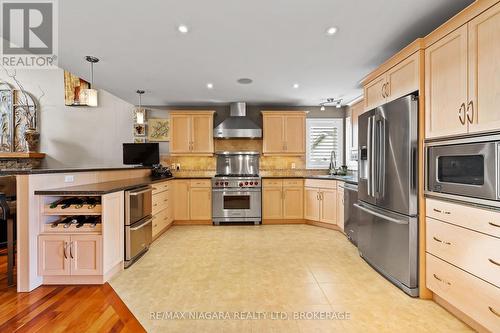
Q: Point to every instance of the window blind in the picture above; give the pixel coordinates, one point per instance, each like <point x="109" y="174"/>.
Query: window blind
<point x="323" y="137"/>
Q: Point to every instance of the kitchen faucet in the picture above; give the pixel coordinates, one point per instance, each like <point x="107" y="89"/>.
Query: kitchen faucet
<point x="333" y="163"/>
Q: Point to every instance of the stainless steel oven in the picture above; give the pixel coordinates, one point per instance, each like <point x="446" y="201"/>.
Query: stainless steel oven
<point x="138" y="223"/>
<point x="465" y="169"/>
<point x="236" y="205"/>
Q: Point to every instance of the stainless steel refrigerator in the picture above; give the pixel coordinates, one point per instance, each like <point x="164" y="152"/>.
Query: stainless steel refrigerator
<point x="388" y="197"/>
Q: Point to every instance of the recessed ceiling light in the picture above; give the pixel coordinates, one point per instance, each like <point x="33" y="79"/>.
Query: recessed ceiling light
<point x="331" y="31"/>
<point x="183" y="29"/>
<point x="244" y="80"/>
<point x="296" y="85"/>
<point x="210" y="85"/>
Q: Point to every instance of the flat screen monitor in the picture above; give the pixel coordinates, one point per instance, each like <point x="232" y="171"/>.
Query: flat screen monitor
<point x="146" y="154"/>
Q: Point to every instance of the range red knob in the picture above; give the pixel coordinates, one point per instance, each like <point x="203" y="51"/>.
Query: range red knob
<point x="216" y="183"/>
<point x="226" y="183"/>
<point x="241" y="184"/>
<point x="251" y="183"/>
<point x="246" y="183"/>
<point x="256" y="183"/>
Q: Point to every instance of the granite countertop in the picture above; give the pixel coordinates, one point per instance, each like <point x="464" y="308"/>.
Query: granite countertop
<point x="108" y="187"/>
<point x="36" y="171"/>
<point x="351" y="179"/>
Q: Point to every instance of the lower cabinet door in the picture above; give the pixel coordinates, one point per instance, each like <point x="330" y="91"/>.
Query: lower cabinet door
<point x="53" y="255"/>
<point x="293" y="203"/>
<point x="200" y="206"/>
<point x="272" y="207"/>
<point x="311" y="203"/>
<point x="328" y="205"/>
<point x="85" y="252"/>
<point x="181" y="200"/>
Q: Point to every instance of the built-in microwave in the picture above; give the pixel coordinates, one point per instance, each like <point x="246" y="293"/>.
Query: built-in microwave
<point x="466" y="169"/>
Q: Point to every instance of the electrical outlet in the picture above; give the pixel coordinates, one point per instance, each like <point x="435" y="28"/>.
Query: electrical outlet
<point x="172" y="166"/>
<point x="178" y="166"/>
<point x="293" y="165"/>
<point x="69" y="179"/>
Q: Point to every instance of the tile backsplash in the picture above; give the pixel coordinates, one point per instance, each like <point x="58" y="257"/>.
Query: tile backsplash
<point x="269" y="165"/>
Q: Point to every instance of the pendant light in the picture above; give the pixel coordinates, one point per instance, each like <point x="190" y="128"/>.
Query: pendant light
<point x="140" y="113"/>
<point x="89" y="96"/>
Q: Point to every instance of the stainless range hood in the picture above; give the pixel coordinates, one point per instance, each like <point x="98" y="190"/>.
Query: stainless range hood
<point x="237" y="125"/>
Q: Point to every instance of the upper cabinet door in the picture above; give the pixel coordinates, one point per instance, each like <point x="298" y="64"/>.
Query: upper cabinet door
<point x="375" y="92"/>
<point x="180" y="141"/>
<point x="274" y="129"/>
<point x="403" y="78"/>
<point x="295" y="133"/>
<point x="483" y="109"/>
<point x="446" y="85"/>
<point x="202" y="134"/>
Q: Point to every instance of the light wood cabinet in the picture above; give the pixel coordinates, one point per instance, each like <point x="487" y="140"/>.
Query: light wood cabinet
<point x="193" y="199"/>
<point x="484" y="72"/>
<point x="356" y="110"/>
<point x="53" y="257"/>
<point x="191" y="132"/>
<point x="311" y="203"/>
<point x="399" y="80"/>
<point x="272" y="207"/>
<point x="284" y="132"/>
<point x="65" y="255"/>
<point x="162" y="207"/>
<point x="340" y="207"/>
<point x="446" y="85"/>
<point x="328" y="206"/>
<point x="282" y="199"/>
<point x="86" y="255"/>
<point x="320" y="200"/>
<point x="200" y="203"/>
<point x="462" y="79"/>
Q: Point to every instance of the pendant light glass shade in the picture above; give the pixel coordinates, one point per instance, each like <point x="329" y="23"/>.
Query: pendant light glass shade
<point x="88" y="97"/>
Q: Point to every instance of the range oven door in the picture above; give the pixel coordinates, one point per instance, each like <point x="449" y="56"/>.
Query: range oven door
<point x="466" y="170"/>
<point x="236" y="203"/>
<point x="138" y="204"/>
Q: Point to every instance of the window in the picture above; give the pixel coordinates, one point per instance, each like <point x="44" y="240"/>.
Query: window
<point x="324" y="135"/>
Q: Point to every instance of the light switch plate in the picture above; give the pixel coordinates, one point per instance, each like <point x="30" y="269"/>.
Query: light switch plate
<point x="69" y="179"/>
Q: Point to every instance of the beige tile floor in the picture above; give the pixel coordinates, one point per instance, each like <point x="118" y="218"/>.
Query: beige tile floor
<point x="266" y="270"/>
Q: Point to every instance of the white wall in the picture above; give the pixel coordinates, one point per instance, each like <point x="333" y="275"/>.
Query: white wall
<point x="77" y="136"/>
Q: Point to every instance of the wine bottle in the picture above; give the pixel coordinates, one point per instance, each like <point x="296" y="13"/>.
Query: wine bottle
<point x="55" y="203"/>
<point x="74" y="220"/>
<point x="72" y="201"/>
<point x="61" y="221"/>
<point x="92" y="202"/>
<point x="91" y="220"/>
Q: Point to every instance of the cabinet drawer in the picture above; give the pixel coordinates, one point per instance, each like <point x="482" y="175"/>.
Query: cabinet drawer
<point x="160" y="187"/>
<point x="200" y="183"/>
<point x="320" y="183"/>
<point x="160" y="221"/>
<point x="272" y="182"/>
<point x="293" y="182"/>
<point x="483" y="220"/>
<point x="472" y="251"/>
<point x="160" y="202"/>
<point x="476" y="298"/>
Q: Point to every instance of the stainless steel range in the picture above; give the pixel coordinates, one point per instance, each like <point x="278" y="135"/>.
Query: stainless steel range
<point x="237" y="189"/>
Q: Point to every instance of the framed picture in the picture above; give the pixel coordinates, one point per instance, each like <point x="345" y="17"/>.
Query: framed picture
<point x="158" y="130"/>
<point x="73" y="86"/>
<point x="139" y="130"/>
<point x="139" y="140"/>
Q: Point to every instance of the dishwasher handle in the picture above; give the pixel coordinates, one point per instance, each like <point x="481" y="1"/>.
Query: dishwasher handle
<point x="140" y="191"/>
<point x="142" y="225"/>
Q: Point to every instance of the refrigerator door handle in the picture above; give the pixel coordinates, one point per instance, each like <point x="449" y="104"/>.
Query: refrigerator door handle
<point x="381" y="215"/>
<point x="370" y="157"/>
<point x="381" y="157"/>
<point x="373" y="156"/>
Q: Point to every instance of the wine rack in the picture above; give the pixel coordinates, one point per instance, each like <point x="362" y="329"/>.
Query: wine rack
<point x="73" y="209"/>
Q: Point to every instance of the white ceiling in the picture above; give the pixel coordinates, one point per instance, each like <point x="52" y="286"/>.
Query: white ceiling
<point x="275" y="42"/>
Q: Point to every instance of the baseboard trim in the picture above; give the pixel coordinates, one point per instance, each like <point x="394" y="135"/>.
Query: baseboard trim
<point x="192" y="222"/>
<point x="163" y="231"/>
<point x="324" y="225"/>
<point x="283" y="221"/>
<point x="459" y="314"/>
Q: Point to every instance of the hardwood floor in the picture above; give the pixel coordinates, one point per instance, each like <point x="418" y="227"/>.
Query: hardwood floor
<point x="63" y="309"/>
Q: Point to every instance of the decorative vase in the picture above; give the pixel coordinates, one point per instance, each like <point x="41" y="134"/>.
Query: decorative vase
<point x="32" y="138"/>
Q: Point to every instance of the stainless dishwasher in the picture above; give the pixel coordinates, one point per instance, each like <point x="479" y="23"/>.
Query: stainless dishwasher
<point x="351" y="214"/>
<point x="138" y="223"/>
